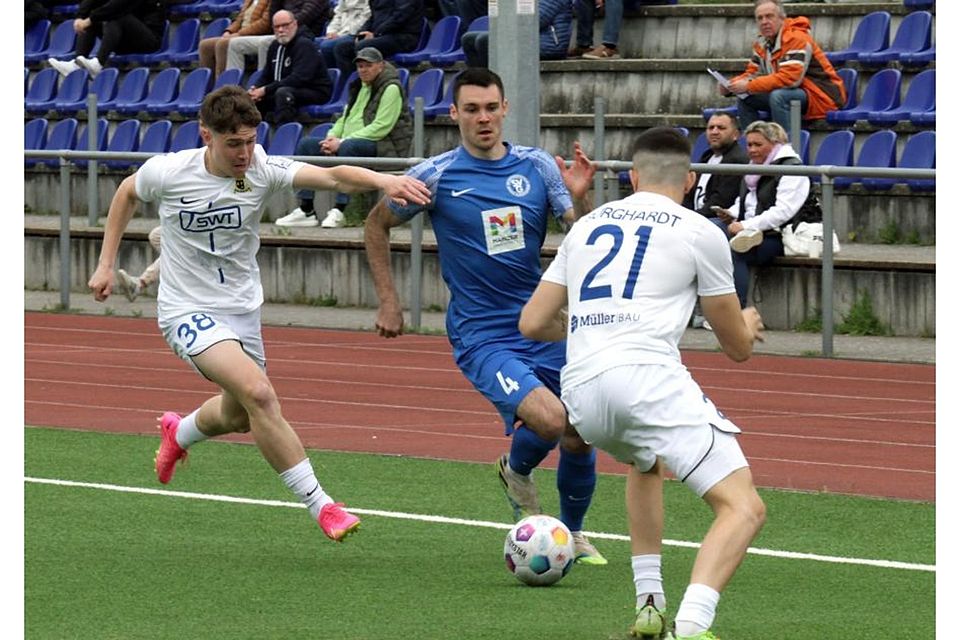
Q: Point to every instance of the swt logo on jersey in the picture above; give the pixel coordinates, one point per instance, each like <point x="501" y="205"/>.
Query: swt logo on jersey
<point x="503" y="229"/>
<point x="211" y="219"/>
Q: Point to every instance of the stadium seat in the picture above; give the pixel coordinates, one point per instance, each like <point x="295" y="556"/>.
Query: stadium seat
<point x="142" y="58"/>
<point x="216" y="28"/>
<point x="230" y="76"/>
<point x="919" y="152"/>
<point x="34" y="137"/>
<point x="481" y="23"/>
<point x="285" y="139"/>
<point x="337" y="103"/>
<point x="42" y="90"/>
<point x="163" y="90"/>
<point x="913" y="35"/>
<point x="836" y="149"/>
<point x="83" y="139"/>
<point x="184" y="45"/>
<point x="320" y="131"/>
<point x="156" y="137"/>
<point x="914" y="5"/>
<point x="443" y="106"/>
<point x="188" y="8"/>
<point x="35" y="37"/>
<point x="872" y="34"/>
<point x="700" y="145"/>
<point x="851" y="80"/>
<point x="424" y="39"/>
<point x="925" y="119"/>
<point x="318" y="110"/>
<point x="921" y="97"/>
<point x="133" y="88"/>
<point x="444" y="38"/>
<point x="804" y="150"/>
<point x="187" y="103"/>
<point x="919" y="58"/>
<point x="126" y="138"/>
<point x="263" y="134"/>
<point x="252" y="79"/>
<point x="61" y="44"/>
<point x="403" y="75"/>
<point x="429" y="86"/>
<point x="62" y="135"/>
<point x="878" y="150"/>
<point x="72" y="89"/>
<point x="187" y="136"/>
<point x="104" y="86"/>
<point x="882" y="94"/>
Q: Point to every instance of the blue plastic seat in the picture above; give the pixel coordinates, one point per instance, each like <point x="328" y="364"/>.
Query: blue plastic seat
<point x="61" y="44"/>
<point x="913" y="5"/>
<point x="337" y="103"/>
<point x="700" y="146"/>
<point x="878" y="150"/>
<point x="72" y="89"/>
<point x="882" y="94"/>
<point x="187" y="136"/>
<point x="444" y="38"/>
<point x="481" y="23"/>
<point x="804" y="150"/>
<point x="42" y="91"/>
<point x="429" y="86"/>
<point x="443" y="106"/>
<point x="321" y="110"/>
<point x="163" y="90"/>
<point x="62" y="135"/>
<point x="34" y="137"/>
<point x="925" y="119"/>
<point x="836" y="149"/>
<point x="919" y="58"/>
<point x="285" y="139"/>
<point x="230" y="76"/>
<point x="921" y="97"/>
<point x="920" y="152"/>
<point x="872" y="34"/>
<point x="133" y="88"/>
<point x="851" y="81"/>
<point x="189" y="8"/>
<point x="104" y="86"/>
<point x="126" y="137"/>
<point x="263" y="134"/>
<point x="184" y="45"/>
<point x="912" y="35"/>
<point x="252" y="79"/>
<point x="216" y="28"/>
<point x="156" y="138"/>
<point x="194" y="88"/>
<point x="144" y="58"/>
<point x="35" y="37"/>
<point x="320" y="131"/>
<point x="403" y="75"/>
<point x="83" y="139"/>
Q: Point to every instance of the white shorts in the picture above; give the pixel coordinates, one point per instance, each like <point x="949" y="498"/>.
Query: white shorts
<point x="638" y="413"/>
<point x="193" y="333"/>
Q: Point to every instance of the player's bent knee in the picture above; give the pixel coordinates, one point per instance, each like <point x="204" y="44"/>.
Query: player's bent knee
<point x="260" y="396"/>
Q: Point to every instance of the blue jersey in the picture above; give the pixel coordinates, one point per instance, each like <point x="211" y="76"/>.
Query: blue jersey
<point x="490" y="220"/>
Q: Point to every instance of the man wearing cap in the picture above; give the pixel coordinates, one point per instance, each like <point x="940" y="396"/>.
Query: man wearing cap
<point x="374" y="123"/>
<point x="295" y="73"/>
<point x="394" y="26"/>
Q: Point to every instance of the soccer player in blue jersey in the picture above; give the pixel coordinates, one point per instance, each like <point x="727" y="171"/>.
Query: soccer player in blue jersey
<point x="489" y="209"/>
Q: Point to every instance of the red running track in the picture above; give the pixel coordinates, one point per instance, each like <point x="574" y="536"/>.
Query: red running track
<point x="812" y="424"/>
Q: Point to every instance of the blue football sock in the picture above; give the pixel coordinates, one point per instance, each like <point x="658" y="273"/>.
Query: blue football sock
<point x="527" y="450"/>
<point x="576" y="480"/>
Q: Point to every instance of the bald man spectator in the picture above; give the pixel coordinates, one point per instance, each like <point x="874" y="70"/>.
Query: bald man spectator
<point x="714" y="190"/>
<point x="786" y="65"/>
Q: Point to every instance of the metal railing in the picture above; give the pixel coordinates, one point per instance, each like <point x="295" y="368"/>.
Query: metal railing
<point x="826" y="173"/>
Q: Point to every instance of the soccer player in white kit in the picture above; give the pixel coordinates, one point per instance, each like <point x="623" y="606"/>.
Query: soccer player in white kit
<point x="629" y="274"/>
<point x="208" y="304"/>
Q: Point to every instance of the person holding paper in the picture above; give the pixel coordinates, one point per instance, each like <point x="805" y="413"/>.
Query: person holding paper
<point x="786" y="65"/>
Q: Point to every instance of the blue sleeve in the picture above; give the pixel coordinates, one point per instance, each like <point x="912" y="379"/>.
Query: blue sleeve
<point x="428" y="173"/>
<point x="559" y="196"/>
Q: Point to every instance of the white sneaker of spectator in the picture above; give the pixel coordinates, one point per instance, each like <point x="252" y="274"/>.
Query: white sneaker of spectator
<point x="745" y="240"/>
<point x="298" y="218"/>
<point x="65" y="67"/>
<point x="333" y="220"/>
<point x="92" y="65"/>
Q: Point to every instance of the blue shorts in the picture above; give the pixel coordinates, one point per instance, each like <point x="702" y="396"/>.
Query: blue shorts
<point x="506" y="374"/>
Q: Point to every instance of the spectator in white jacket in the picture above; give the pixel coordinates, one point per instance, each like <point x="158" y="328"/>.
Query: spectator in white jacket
<point x="348" y="17"/>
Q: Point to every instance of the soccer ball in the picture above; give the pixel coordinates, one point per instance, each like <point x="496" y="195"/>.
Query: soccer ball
<point x="539" y="550"/>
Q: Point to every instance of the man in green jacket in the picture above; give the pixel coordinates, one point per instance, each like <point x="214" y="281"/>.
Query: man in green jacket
<point x="376" y="122"/>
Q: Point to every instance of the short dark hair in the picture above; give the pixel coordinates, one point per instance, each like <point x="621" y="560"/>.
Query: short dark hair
<point x="729" y="116"/>
<point x="662" y="140"/>
<point x="661" y="155"/>
<point x="227" y="109"/>
<point x="476" y="77"/>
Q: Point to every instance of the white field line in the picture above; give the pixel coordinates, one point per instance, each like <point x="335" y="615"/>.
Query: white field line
<point x="885" y="564"/>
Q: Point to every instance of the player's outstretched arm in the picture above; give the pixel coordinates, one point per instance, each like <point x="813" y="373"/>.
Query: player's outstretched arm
<point x="401" y="189"/>
<point x="542" y="318"/>
<point x="122" y="208"/>
<point x="376" y="237"/>
<point x="736" y="330"/>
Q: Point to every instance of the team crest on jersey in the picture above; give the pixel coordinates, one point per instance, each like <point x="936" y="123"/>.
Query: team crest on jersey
<point x="518" y="185"/>
<point x="241" y="186"/>
<point x="503" y="229"/>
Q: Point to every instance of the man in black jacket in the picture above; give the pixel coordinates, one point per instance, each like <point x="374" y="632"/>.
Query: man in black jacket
<point x="713" y="190"/>
<point x="394" y="26"/>
<point x="295" y="73"/>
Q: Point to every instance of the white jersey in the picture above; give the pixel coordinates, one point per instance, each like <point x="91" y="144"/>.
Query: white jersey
<point x="633" y="269"/>
<point x="210" y="229"/>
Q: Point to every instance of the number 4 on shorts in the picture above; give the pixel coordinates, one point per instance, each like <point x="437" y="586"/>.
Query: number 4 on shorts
<point x="509" y="384"/>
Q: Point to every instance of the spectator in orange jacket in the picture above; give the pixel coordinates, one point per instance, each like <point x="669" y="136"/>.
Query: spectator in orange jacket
<point x="786" y="65"/>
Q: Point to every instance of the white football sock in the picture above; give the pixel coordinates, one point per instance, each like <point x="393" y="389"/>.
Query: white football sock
<point x="648" y="580"/>
<point x="188" y="433"/>
<point x="697" y="610"/>
<point x="303" y="482"/>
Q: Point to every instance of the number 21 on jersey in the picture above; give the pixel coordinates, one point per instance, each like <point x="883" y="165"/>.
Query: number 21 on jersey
<point x="590" y="292"/>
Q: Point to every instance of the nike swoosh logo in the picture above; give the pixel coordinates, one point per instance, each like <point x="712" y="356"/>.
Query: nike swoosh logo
<point x="457" y="194"/>
<point x="185" y="201"/>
